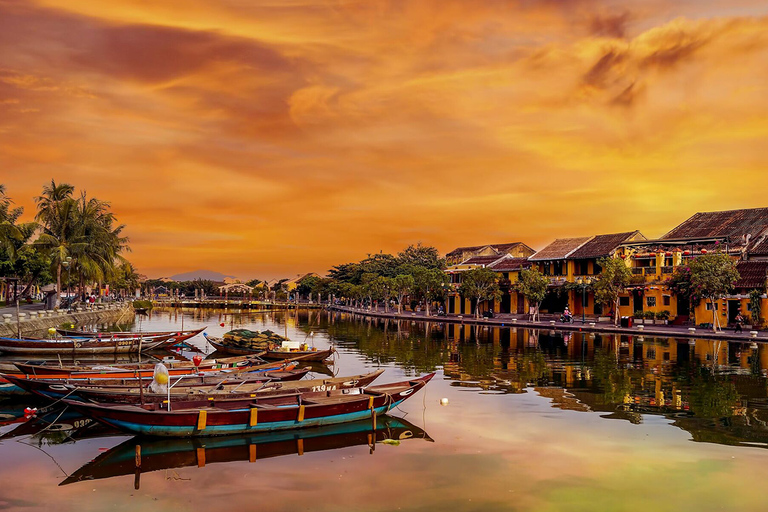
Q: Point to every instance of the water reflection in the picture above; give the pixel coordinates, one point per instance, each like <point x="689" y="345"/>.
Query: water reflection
<point x="142" y="455"/>
<point x="716" y="390"/>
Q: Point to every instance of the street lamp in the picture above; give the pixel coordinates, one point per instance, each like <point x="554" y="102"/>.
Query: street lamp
<point x="583" y="284"/>
<point x="66" y="264"/>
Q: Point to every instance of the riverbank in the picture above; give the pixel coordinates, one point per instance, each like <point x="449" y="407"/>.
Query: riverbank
<point x="31" y="320"/>
<point x="547" y="322"/>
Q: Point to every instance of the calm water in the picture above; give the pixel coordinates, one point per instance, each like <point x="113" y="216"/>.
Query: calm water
<point x="535" y="421"/>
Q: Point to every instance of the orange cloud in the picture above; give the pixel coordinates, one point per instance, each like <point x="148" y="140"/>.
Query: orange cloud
<point x="264" y="139"/>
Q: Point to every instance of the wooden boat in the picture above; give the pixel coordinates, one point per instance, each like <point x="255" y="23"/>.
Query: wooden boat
<point x="229" y="389"/>
<point x="72" y="333"/>
<point x="55" y="389"/>
<point x="234" y="365"/>
<point x="161" y="454"/>
<point x="306" y="355"/>
<point x="80" y="346"/>
<point x="280" y="412"/>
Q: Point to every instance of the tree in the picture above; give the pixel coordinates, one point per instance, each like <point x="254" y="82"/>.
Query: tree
<point x="479" y="284"/>
<point x="385" y="285"/>
<point x="533" y="285"/>
<point x="712" y="276"/>
<point x="421" y="256"/>
<point x="429" y="283"/>
<point x="613" y="279"/>
<point x="680" y="284"/>
<point x="402" y="285"/>
<point x="56" y="214"/>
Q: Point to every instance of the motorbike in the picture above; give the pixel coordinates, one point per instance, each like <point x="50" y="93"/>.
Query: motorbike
<point x="566" y="319"/>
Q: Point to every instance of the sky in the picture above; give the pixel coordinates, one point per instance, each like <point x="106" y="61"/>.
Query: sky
<point x="264" y="139"/>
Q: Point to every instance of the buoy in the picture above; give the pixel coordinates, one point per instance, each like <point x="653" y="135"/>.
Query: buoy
<point x="443" y="401"/>
<point x="161" y="378"/>
<point x="196" y="360"/>
<point x="222" y="324"/>
<point x="51" y="330"/>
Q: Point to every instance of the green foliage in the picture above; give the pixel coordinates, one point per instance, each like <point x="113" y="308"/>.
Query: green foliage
<point x="480" y="284"/>
<point x="142" y="304"/>
<point x="663" y="315"/>
<point x="421" y="256"/>
<point x="712" y="277"/>
<point x="401" y="286"/>
<point x="533" y="285"/>
<point x="681" y="285"/>
<point x="430" y="284"/>
<point x="649" y="315"/>
<point x="613" y="279"/>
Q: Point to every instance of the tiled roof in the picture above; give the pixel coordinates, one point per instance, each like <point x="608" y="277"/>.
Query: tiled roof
<point x="601" y="245"/>
<point x="559" y="249"/>
<point x="752" y="274"/>
<point x="507" y="264"/>
<point x="497" y="247"/>
<point x="760" y="247"/>
<point x="481" y="260"/>
<point x="732" y="223"/>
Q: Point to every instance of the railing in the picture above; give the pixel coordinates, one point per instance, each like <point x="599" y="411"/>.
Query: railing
<point x="638" y="271"/>
<point x="650" y="271"/>
<point x="667" y="270"/>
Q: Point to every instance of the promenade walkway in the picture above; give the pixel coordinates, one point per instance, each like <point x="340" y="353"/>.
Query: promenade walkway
<point x="550" y="322"/>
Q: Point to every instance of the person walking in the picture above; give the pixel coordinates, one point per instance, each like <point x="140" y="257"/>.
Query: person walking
<point x="739" y="321"/>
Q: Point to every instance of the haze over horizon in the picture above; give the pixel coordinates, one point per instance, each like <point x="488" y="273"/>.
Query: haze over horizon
<point x="269" y="139"/>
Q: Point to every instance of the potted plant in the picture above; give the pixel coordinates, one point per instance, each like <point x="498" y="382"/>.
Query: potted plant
<point x="662" y="317"/>
<point x="638" y="315"/>
<point x="649" y="316"/>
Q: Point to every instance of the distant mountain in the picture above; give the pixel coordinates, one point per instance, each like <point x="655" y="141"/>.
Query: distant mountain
<point x="200" y="274"/>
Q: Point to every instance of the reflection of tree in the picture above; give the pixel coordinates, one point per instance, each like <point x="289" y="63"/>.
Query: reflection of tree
<point x="712" y="396"/>
<point x="532" y="367"/>
<point x="612" y="381"/>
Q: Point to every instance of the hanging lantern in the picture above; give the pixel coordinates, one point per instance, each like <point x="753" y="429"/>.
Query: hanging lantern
<point x="687" y="253"/>
<point x="703" y="251"/>
<point x="623" y="256"/>
<point x="196" y="360"/>
<point x="653" y="254"/>
<point x="222" y="324"/>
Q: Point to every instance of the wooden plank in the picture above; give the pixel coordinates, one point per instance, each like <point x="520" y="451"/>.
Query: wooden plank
<point x="202" y="419"/>
<point x="254" y="417"/>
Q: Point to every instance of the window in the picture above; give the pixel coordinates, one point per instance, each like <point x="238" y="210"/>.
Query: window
<point x="623" y="301"/>
<point x="650" y="302"/>
<point x="709" y="306"/>
<point x="667" y="300"/>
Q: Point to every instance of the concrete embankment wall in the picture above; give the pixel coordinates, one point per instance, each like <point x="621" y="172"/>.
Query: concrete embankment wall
<point x="42" y="320"/>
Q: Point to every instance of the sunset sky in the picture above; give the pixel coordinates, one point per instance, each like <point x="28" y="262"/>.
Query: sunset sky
<point x="267" y="138"/>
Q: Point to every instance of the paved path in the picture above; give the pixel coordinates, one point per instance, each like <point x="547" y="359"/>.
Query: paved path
<point x="549" y="322"/>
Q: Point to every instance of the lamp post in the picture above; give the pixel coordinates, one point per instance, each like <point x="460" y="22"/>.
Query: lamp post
<point x="583" y="284"/>
<point x="66" y="264"/>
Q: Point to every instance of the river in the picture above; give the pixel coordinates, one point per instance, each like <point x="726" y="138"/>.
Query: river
<point x="515" y="420"/>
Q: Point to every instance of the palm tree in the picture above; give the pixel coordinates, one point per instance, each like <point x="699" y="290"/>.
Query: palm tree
<point x="97" y="255"/>
<point x="56" y="214"/>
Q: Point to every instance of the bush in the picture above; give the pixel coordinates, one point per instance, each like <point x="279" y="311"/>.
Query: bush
<point x="649" y="315"/>
<point x="142" y="304"/>
<point x="662" y="315"/>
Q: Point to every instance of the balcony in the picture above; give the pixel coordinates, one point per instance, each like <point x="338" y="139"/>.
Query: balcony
<point x="667" y="270"/>
<point x="649" y="271"/>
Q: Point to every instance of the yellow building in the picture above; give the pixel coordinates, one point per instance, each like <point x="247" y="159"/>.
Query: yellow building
<point x="507" y="266"/>
<point x="572" y="265"/>
<point x="514" y="249"/>
<point x="741" y="234"/>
